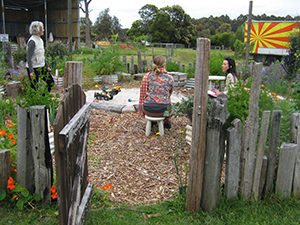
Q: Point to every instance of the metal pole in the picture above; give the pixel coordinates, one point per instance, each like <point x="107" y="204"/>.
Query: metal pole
<point x="248" y="33"/>
<point x="70" y="25"/>
<point x="46" y="22"/>
<point x="3" y="16"/>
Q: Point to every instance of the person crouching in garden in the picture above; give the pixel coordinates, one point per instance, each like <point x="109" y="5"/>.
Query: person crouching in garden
<point x="35" y="57"/>
<point x="156" y="90"/>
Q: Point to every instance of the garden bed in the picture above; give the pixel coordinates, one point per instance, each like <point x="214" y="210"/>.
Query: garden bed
<point x="136" y="168"/>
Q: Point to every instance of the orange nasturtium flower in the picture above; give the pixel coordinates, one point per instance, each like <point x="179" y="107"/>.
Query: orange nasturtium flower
<point x="13" y="141"/>
<point x="107" y="186"/>
<point x="2" y="133"/>
<point x="10" y="136"/>
<point x="53" y="191"/>
<point x="9" y="123"/>
<point x="11" y="183"/>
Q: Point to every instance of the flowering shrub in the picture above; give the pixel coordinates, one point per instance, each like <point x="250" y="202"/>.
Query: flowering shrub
<point x="8" y="128"/>
<point x="7" y="135"/>
<point x="18" y="195"/>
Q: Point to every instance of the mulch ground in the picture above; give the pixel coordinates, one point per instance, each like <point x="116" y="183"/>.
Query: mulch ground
<point x="140" y="169"/>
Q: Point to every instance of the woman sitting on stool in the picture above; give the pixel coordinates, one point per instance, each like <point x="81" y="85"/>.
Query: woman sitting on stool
<point x="156" y="90"/>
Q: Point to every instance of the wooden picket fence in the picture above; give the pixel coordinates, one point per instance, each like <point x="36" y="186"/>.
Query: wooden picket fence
<point x="34" y="159"/>
<point x="252" y="170"/>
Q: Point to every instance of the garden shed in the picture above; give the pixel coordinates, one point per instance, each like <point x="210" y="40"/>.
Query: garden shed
<point x="61" y="18"/>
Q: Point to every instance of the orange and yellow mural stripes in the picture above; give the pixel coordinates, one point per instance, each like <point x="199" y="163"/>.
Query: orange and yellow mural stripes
<point x="270" y="34"/>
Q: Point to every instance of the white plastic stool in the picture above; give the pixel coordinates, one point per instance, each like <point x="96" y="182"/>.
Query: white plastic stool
<point x="160" y="122"/>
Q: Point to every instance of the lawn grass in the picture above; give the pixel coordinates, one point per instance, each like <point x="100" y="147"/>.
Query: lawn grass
<point x="271" y="211"/>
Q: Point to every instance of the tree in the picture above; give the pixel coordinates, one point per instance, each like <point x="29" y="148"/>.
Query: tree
<point x="106" y="25"/>
<point x="225" y="27"/>
<point x="292" y="60"/>
<point x="85" y="10"/>
<point x="168" y="24"/>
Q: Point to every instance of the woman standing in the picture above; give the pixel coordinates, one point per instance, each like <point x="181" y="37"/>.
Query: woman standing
<point x="35" y="65"/>
<point x="156" y="90"/>
<point x="229" y="68"/>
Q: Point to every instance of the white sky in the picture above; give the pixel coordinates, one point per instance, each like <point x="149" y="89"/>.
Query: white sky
<point x="127" y="10"/>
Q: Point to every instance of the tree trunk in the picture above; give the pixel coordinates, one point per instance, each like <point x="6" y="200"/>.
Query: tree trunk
<point x="88" y="43"/>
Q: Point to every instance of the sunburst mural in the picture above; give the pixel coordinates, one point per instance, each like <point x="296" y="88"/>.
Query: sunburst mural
<point x="270" y="34"/>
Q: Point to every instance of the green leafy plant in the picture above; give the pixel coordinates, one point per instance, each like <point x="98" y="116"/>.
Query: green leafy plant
<point x="215" y="63"/>
<point x="107" y="61"/>
<point x="38" y="96"/>
<point x="292" y="60"/>
<point x="238" y="100"/>
<point x="239" y="47"/>
<point x="296" y="95"/>
<point x="18" y="195"/>
<point x="57" y="54"/>
<point x="184" y="108"/>
<point x="172" y="66"/>
<point x="19" y="55"/>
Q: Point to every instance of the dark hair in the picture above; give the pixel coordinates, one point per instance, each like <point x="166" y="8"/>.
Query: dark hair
<point x="231" y="65"/>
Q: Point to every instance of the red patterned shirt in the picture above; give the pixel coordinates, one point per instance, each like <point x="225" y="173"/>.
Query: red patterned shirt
<point x="156" y="89"/>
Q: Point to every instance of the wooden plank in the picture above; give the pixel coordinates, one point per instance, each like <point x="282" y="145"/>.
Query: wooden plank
<point x="25" y="167"/>
<point x="214" y="154"/>
<point x="263" y="175"/>
<point x="69" y="107"/>
<point x="286" y="166"/>
<point x="76" y="123"/>
<point x="73" y="73"/>
<point x="296" y="139"/>
<point x="79" y="168"/>
<point x="251" y="132"/>
<point x="84" y="203"/>
<point x="233" y="159"/>
<point x="273" y="146"/>
<point x="198" y="147"/>
<point x="4" y="168"/>
<point x="61" y="172"/>
<point x="295" y="125"/>
<point x="42" y="171"/>
<point x="260" y="154"/>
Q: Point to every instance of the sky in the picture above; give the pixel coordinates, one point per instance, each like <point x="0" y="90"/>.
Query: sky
<point x="127" y="10"/>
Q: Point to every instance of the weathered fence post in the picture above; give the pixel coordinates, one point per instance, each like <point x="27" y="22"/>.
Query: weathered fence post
<point x="260" y="154"/>
<point x="41" y="152"/>
<point x="274" y="141"/>
<point x="132" y="65"/>
<point x="198" y="147"/>
<point x="73" y="73"/>
<point x="25" y="166"/>
<point x="250" y="137"/>
<point x="140" y="62"/>
<point x="4" y="168"/>
<point x="214" y="153"/>
<point x="296" y="139"/>
<point x="286" y="168"/>
<point x="233" y="159"/>
<point x="124" y="60"/>
<point x="263" y="175"/>
<point x="13" y="89"/>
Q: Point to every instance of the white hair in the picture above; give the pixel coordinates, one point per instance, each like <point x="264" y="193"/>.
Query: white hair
<point x="35" y="27"/>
